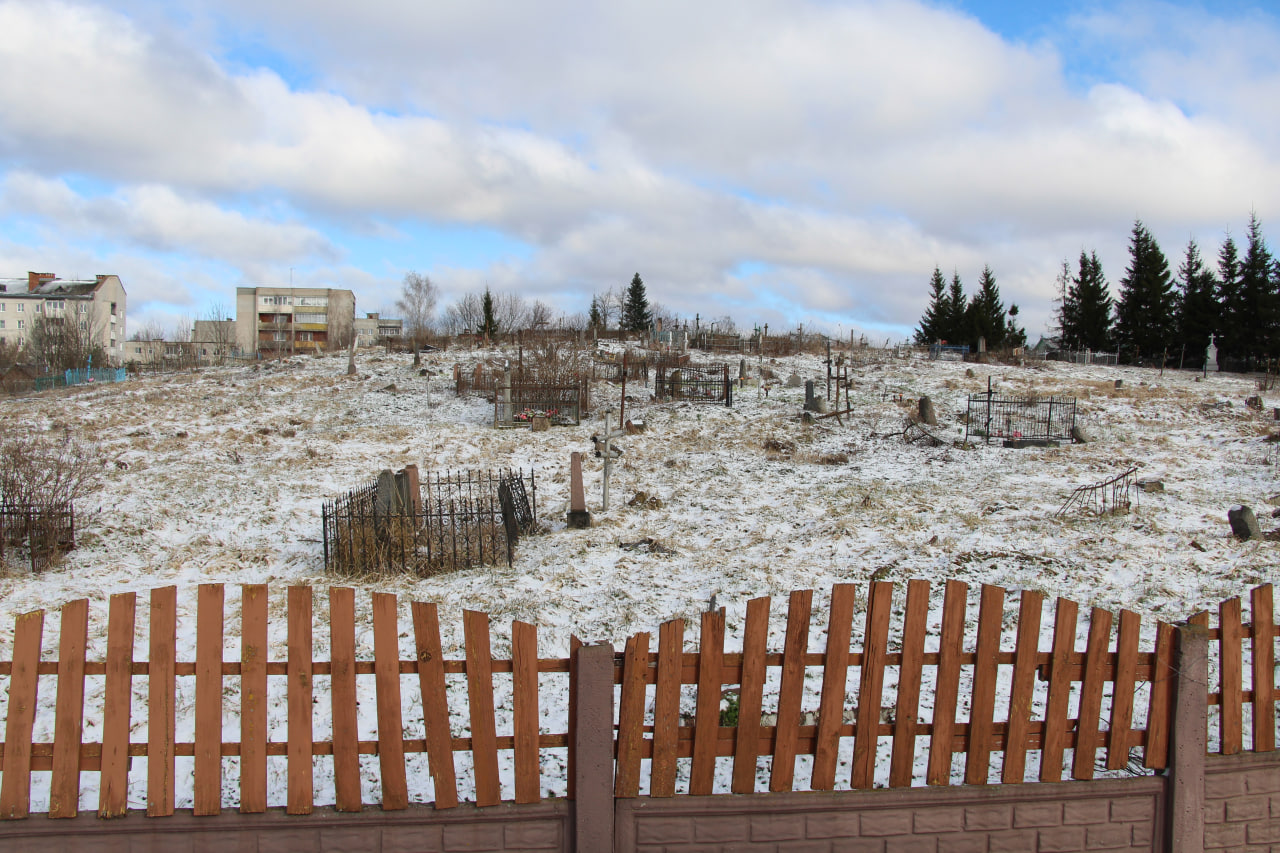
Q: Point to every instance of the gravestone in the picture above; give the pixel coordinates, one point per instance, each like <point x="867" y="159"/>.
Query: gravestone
<point x="794" y="381"/>
<point x="541" y="423"/>
<point x="1211" y="357"/>
<point x="927" y="414"/>
<point x="742" y="370"/>
<point x="579" y="516"/>
<point x="1244" y="524"/>
<point x="809" y="404"/>
<point x="388" y="497"/>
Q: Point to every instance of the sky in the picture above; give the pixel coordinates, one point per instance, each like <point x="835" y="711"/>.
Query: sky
<point x="775" y="161"/>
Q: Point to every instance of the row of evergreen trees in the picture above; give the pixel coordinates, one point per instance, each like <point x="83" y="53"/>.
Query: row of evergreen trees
<point x="957" y="320"/>
<point x="1157" y="317"/>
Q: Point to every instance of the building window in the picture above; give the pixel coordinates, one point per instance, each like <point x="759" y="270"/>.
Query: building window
<point x="279" y="336"/>
<point x="314" y="301"/>
<point x="21" y="324"/>
<point x="21" y="307"/>
<point x="3" y="306"/>
<point x="1" y="324"/>
<point x="310" y="318"/>
<point x="83" y="325"/>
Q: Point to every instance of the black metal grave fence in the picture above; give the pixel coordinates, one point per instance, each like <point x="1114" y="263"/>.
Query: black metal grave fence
<point x="1017" y="420"/>
<point x="562" y="404"/>
<point x="44" y="531"/>
<point x="452" y="521"/>
<point x="708" y="384"/>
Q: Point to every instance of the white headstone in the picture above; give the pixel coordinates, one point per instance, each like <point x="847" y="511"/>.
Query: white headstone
<point x="1211" y="356"/>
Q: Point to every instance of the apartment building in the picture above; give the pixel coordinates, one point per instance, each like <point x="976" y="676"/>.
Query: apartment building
<point x="284" y="320"/>
<point x="372" y="330"/>
<point x="96" y="306"/>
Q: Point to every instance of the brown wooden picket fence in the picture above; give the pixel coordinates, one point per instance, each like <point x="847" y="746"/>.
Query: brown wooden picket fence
<point x="647" y="679"/>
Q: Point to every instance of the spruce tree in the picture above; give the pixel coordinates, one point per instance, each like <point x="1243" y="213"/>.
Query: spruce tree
<point x="1089" y="326"/>
<point x="1198" y="309"/>
<point x="489" y="323"/>
<point x="1257" y="297"/>
<point x="1230" y="305"/>
<point x="955" y="325"/>
<point x="636" y="316"/>
<point x="986" y="312"/>
<point x="930" y="331"/>
<point x="1145" y="320"/>
<point x="595" y="320"/>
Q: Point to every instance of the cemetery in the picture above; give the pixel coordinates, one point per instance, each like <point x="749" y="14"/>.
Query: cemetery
<point x="867" y="487"/>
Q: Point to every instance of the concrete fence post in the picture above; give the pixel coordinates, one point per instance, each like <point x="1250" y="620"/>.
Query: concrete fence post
<point x="1189" y="741"/>
<point x="593" y="747"/>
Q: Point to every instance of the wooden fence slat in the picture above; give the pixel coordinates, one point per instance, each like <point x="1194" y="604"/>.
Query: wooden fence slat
<point x="1155" y="756"/>
<point x="947" y="686"/>
<point x="706" y="731"/>
<point x="1030" y="608"/>
<point x="1054" y="739"/>
<point x="1200" y="619"/>
<point x="1095" y="654"/>
<point x="666" y="709"/>
<point x="386" y="674"/>
<point x="635" y="675"/>
<point x="875" y="642"/>
<point x="906" y="719"/>
<point x="791" y="691"/>
<point x="342" y="695"/>
<point x="571" y="763"/>
<point x="1230" y="678"/>
<point x="435" y="704"/>
<point x="982" y="703"/>
<point x="524" y="674"/>
<point x="210" y="616"/>
<point x="68" y="726"/>
<point x="484" y="736"/>
<point x="1262" y="616"/>
<point x="113" y="796"/>
<point x="15" y="781"/>
<point x="1120" y="735"/>
<point x="835" y="676"/>
<point x="300" y="796"/>
<point x="253" y="698"/>
<point x="746" y="752"/>
<point x="161" y="689"/>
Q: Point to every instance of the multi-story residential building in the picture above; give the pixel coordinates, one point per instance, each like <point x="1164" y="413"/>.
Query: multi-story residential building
<point x="282" y="320"/>
<point x="95" y="306"/>
<point x="372" y="330"/>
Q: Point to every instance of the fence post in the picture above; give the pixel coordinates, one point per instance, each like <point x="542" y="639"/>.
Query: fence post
<point x="593" y="749"/>
<point x="1189" y="741"/>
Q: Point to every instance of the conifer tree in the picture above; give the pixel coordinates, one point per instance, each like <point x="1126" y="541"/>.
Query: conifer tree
<point x="955" y="325"/>
<point x="1088" y="314"/>
<point x="1198" y="309"/>
<point x="1145" y="320"/>
<point x="986" y="313"/>
<point x="1230" y="305"/>
<point x="930" y="331"/>
<point x="595" y="320"/>
<point x="1257" y="320"/>
<point x="636" y="316"/>
<point x="489" y="323"/>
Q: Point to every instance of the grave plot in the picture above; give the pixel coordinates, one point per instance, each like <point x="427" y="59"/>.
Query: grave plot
<point x="452" y="521"/>
<point x="518" y="403"/>
<point x="709" y="384"/>
<point x="1020" y="421"/>
<point x="1109" y="496"/>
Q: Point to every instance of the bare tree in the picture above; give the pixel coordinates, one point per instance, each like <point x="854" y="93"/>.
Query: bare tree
<point x="610" y="303"/>
<point x="725" y="325"/>
<point x="465" y="315"/>
<point x="417" y="306"/>
<point x="62" y="343"/>
<point x="510" y="311"/>
<point x="149" y="331"/>
<point x="215" y="331"/>
<point x="44" y="472"/>
<point x="539" y="315"/>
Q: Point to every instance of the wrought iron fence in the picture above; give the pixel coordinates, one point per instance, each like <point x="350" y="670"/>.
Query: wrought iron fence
<point x="1020" y="419"/>
<point x="451" y="521"/>
<point x="708" y="384"/>
<point x="44" y="531"/>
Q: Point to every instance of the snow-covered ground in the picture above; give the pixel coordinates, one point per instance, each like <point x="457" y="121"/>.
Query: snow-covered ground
<point x="218" y="476"/>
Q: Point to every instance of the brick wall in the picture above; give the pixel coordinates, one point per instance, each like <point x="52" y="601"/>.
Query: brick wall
<point x="539" y="828"/>
<point x="1111" y="815"/>
<point x="1242" y="802"/>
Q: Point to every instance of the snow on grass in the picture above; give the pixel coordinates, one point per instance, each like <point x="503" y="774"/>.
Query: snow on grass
<point x="218" y="476"/>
